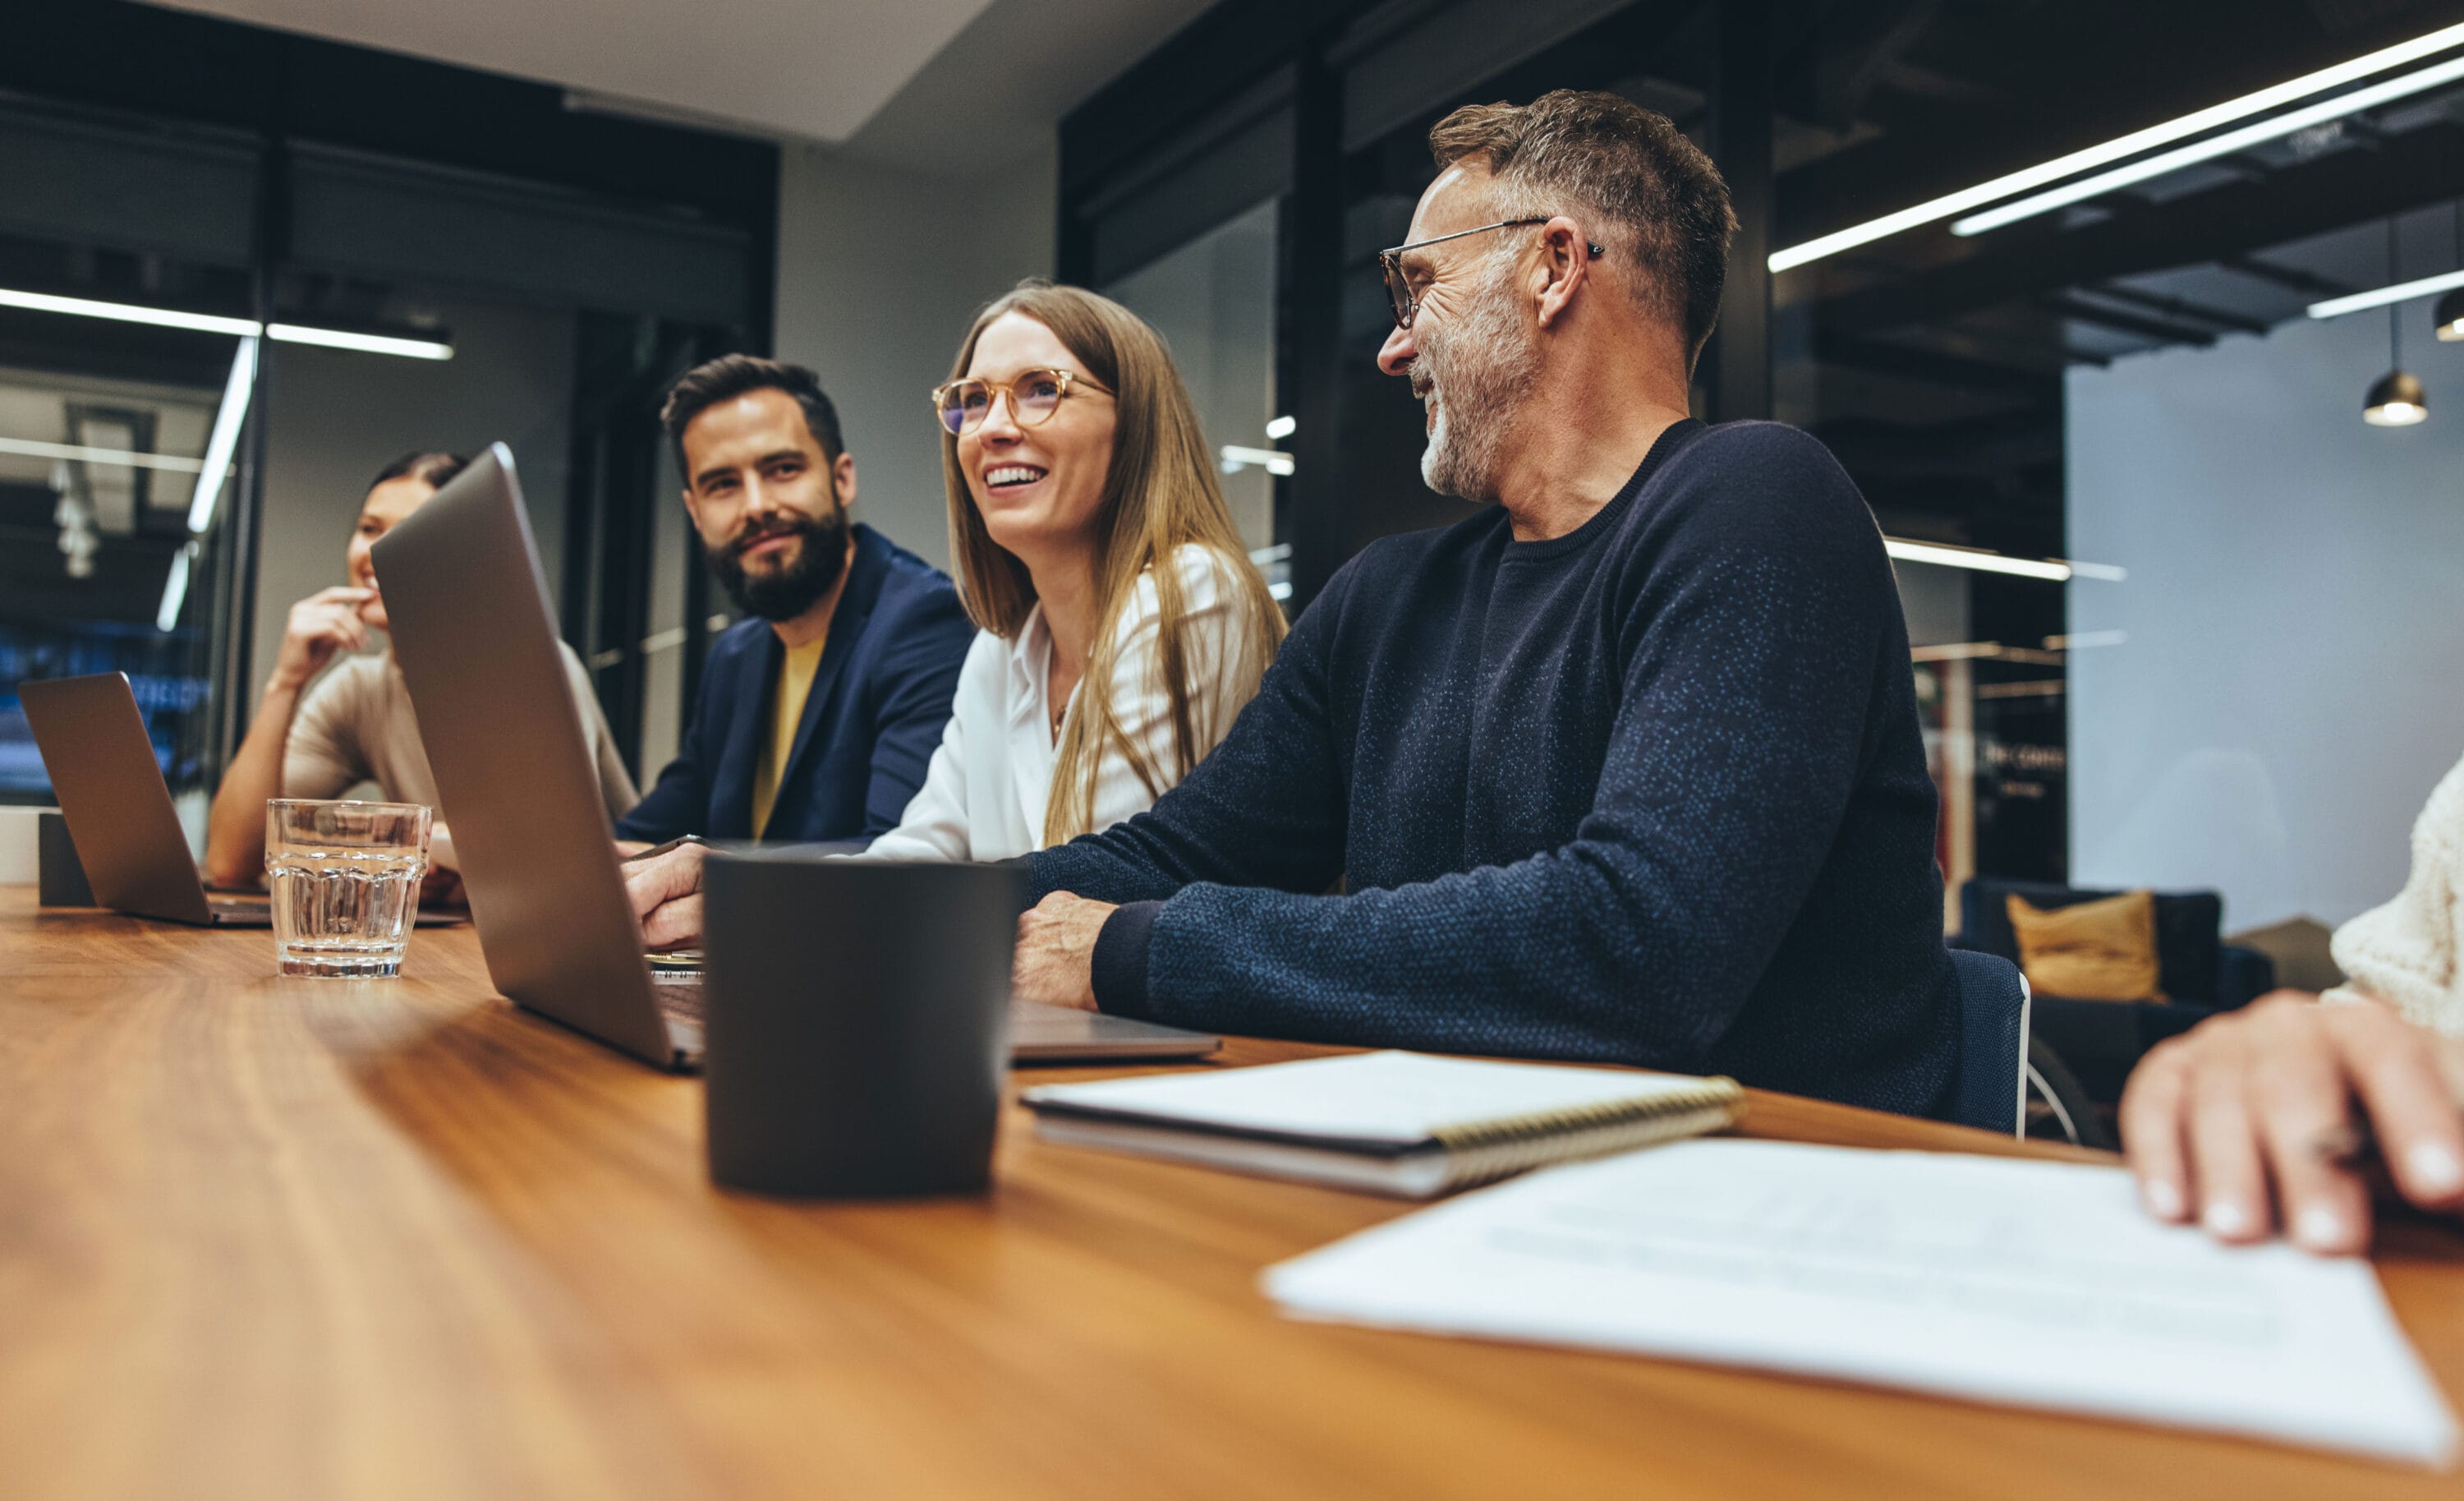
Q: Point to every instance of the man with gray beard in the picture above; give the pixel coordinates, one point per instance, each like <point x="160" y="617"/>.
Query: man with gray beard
<point x="1624" y="769"/>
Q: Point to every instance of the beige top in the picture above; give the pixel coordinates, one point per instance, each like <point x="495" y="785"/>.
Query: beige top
<point x="356" y="725"/>
<point x="2406" y="953"/>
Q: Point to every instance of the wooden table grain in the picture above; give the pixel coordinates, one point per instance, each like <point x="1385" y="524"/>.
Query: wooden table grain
<point x="269" y="1238"/>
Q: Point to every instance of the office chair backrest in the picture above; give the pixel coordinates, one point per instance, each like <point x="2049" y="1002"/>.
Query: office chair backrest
<point x="1993" y="1043"/>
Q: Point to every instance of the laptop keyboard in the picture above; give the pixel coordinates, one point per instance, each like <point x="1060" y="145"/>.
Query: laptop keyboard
<point x="679" y="1000"/>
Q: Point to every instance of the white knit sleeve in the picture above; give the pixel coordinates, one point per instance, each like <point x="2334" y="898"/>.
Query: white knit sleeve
<point x="2405" y="953"/>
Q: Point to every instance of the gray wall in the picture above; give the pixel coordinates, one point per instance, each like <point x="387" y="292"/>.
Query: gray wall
<point x="2288" y="692"/>
<point x="334" y="418"/>
<point x="880" y="270"/>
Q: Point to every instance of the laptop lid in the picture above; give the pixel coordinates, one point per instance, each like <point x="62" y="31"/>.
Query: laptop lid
<point x="94" y="745"/>
<point x="476" y="643"/>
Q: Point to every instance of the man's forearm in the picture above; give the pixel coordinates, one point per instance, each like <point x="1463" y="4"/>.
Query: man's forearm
<point x="1564" y="955"/>
<point x="235" y="823"/>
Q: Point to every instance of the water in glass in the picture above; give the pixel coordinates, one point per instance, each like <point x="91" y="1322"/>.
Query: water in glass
<point x="346" y="881"/>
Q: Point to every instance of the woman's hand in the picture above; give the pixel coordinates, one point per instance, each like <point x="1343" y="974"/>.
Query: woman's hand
<point x="324" y="623"/>
<point x="2247" y="1120"/>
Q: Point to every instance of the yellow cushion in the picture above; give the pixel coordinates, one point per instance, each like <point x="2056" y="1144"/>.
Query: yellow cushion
<point x="2102" y="950"/>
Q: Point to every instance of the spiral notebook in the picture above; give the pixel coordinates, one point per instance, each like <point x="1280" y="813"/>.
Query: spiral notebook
<point x="1403" y="1124"/>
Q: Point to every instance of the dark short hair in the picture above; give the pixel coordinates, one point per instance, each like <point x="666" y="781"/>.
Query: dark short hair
<point x="732" y="375"/>
<point x="434" y="468"/>
<point x="1664" y="203"/>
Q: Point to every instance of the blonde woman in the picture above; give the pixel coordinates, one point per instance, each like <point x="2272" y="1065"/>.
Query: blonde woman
<point x="1122" y="623"/>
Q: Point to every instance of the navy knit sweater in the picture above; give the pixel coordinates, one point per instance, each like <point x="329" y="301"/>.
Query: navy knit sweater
<point x="1652" y="792"/>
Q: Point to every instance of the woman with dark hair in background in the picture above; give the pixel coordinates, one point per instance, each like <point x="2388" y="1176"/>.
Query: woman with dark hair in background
<point x="356" y="725"/>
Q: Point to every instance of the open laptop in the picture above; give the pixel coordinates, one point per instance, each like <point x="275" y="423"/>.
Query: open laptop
<point x="101" y="761"/>
<point x="472" y="634"/>
<point x="95" y="749"/>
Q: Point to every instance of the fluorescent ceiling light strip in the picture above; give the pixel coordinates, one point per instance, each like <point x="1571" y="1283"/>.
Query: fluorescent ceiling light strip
<point x="2120" y="147"/>
<point x="224" y="441"/>
<point x="365" y="343"/>
<point x="77" y="454"/>
<point x="217" y="323"/>
<point x="1971" y="558"/>
<point x="2273" y="129"/>
<point x="2401" y="291"/>
<point x="128" y="313"/>
<point x="175" y="590"/>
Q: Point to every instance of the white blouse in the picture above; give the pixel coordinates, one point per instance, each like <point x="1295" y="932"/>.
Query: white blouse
<point x="985" y="794"/>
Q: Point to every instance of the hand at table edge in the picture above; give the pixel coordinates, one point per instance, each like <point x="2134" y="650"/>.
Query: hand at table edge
<point x="1054" y="963"/>
<point x="2248" y="1121"/>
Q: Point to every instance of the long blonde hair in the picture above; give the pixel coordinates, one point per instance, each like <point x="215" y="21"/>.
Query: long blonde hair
<point x="1159" y="495"/>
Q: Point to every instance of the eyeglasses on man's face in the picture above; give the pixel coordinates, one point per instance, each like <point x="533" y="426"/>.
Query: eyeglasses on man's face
<point x="1034" y="396"/>
<point x="1399" y="289"/>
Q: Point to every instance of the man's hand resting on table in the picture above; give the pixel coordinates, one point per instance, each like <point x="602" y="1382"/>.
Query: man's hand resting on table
<point x="2264" y="1098"/>
<point x="666" y="891"/>
<point x="1055" y="962"/>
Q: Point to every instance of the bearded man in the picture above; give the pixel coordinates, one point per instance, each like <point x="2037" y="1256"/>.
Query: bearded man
<point x="1627" y="766"/>
<point x="820" y="712"/>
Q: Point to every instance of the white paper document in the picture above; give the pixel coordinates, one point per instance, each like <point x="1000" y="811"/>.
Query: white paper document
<point x="2037" y="1283"/>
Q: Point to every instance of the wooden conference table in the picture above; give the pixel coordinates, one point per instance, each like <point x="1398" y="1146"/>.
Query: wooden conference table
<point x="271" y="1238"/>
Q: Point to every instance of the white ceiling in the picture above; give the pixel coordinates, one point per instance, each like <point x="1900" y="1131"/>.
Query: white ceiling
<point x="951" y="86"/>
<point x="993" y="94"/>
<point x="793" y="67"/>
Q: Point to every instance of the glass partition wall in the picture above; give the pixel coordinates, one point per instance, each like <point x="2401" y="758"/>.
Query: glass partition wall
<point x="1213" y="300"/>
<point x="124" y="486"/>
<point x="222" y="312"/>
<point x="1936" y="331"/>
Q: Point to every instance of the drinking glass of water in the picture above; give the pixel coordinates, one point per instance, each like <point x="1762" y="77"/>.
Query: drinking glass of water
<point x="345" y="879"/>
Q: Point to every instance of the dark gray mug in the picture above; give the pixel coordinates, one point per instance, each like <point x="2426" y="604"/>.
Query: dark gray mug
<point x="855" y="1022"/>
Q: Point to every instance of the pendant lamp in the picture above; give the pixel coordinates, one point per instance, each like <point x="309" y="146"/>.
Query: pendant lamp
<point x="2396" y="399"/>
<point x="2450" y="317"/>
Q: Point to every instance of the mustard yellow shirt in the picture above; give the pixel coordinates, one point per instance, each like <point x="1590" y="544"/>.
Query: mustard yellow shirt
<point x="787" y="713"/>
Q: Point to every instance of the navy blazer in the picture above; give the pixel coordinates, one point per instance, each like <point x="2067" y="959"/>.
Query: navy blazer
<point x="871" y="722"/>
